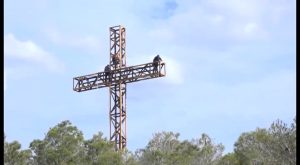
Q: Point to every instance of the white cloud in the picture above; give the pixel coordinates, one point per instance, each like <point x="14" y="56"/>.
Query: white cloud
<point x="248" y="31"/>
<point x="250" y="28"/>
<point x="217" y="21"/>
<point x="163" y="33"/>
<point x="87" y="42"/>
<point x="173" y="71"/>
<point x="31" y="52"/>
<point x="245" y="9"/>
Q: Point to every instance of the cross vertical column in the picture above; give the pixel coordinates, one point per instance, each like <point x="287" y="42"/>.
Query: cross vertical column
<point x="117" y="111"/>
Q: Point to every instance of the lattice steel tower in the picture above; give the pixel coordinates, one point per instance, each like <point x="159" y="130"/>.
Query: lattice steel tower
<point x="116" y="79"/>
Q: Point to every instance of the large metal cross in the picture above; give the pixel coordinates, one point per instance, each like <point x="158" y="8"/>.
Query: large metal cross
<point x="116" y="80"/>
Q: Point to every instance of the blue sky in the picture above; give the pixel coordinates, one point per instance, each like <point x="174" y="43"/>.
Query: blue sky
<point x="231" y="66"/>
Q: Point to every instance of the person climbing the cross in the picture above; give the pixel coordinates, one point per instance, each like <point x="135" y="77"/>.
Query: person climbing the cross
<point x="156" y="62"/>
<point x="115" y="59"/>
<point x="107" y="71"/>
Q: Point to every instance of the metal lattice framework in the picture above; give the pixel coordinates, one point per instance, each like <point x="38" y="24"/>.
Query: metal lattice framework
<point x="118" y="77"/>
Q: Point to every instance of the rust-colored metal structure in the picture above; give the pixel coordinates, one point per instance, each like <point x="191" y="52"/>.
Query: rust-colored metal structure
<point x="116" y="80"/>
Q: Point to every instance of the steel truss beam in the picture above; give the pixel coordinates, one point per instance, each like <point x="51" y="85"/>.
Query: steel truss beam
<point x="117" y="110"/>
<point x="127" y="75"/>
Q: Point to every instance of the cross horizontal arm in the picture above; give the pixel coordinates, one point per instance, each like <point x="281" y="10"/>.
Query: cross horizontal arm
<point x="121" y="75"/>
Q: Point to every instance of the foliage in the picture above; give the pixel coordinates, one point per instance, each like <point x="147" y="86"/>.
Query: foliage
<point x="14" y="156"/>
<point x="276" y="145"/>
<point x="166" y="149"/>
<point x="229" y="159"/>
<point x="64" y="144"/>
<point x="100" y="151"/>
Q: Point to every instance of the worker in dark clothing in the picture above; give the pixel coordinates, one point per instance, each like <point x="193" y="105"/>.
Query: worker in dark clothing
<point x="107" y="71"/>
<point x="156" y="62"/>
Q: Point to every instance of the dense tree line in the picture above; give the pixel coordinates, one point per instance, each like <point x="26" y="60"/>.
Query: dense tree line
<point x="64" y="144"/>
